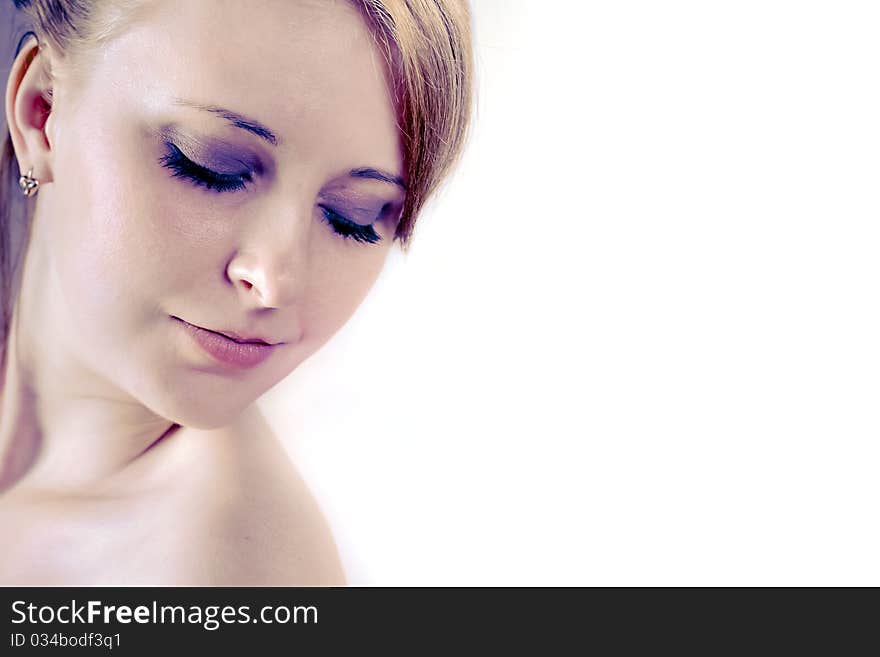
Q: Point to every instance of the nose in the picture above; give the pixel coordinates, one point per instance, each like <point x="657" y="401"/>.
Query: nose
<point x="260" y="284"/>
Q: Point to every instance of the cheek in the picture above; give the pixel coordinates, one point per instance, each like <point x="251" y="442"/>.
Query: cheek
<point x="337" y="286"/>
<point x="99" y="226"/>
<point x="122" y="242"/>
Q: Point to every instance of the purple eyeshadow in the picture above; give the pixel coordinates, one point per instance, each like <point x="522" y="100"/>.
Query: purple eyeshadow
<point x="217" y="155"/>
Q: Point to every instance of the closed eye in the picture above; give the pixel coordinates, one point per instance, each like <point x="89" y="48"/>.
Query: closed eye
<point x="346" y="228"/>
<point x="182" y="167"/>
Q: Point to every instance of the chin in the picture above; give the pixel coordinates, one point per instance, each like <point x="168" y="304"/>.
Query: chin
<point x="204" y="422"/>
<point x="214" y="414"/>
<point x="197" y="410"/>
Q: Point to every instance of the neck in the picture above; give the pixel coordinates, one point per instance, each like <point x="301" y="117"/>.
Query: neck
<point x="63" y="426"/>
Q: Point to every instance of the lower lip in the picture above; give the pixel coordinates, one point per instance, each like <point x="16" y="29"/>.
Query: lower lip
<point x="226" y="351"/>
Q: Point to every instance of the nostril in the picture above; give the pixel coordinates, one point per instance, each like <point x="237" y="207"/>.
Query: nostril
<point x="251" y="282"/>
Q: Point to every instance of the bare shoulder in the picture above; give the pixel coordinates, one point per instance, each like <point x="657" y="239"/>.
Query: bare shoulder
<point x="257" y="523"/>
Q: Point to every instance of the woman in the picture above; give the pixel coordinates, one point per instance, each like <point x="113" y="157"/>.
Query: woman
<point x="210" y="189"/>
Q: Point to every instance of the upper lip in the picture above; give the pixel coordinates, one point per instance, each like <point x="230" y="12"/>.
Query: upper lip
<point x="241" y="337"/>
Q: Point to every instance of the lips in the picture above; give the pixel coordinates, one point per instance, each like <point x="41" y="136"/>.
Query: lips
<point x="231" y="349"/>
<point x="239" y="338"/>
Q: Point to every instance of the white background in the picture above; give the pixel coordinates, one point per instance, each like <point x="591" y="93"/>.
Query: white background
<point x="636" y="339"/>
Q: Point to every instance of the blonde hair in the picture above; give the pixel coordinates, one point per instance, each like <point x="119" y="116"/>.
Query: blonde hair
<point x="427" y="46"/>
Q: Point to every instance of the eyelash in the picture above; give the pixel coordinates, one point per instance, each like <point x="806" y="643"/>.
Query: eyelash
<point x="348" y="229"/>
<point x="183" y="167"/>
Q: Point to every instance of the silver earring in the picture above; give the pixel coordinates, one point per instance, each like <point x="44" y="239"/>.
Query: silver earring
<point x="29" y="185"/>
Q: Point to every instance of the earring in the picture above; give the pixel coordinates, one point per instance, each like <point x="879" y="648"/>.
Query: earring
<point x="29" y="185"/>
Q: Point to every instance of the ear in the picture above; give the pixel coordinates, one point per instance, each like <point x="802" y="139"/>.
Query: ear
<point x="28" y="110"/>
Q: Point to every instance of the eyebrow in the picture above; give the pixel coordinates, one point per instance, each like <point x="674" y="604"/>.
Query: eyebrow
<point x="375" y="174"/>
<point x="255" y="127"/>
<point x="235" y="119"/>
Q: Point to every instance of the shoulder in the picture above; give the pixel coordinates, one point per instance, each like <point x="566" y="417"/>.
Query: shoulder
<point x="256" y="523"/>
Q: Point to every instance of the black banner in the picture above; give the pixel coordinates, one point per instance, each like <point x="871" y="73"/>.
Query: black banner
<point x="412" y="620"/>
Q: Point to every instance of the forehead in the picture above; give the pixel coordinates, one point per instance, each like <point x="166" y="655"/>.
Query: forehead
<point x="307" y="69"/>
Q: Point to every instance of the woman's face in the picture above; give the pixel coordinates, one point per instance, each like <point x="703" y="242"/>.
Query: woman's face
<point x="231" y="165"/>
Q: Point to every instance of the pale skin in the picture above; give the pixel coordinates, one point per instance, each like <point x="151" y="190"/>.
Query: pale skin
<point x="129" y="455"/>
